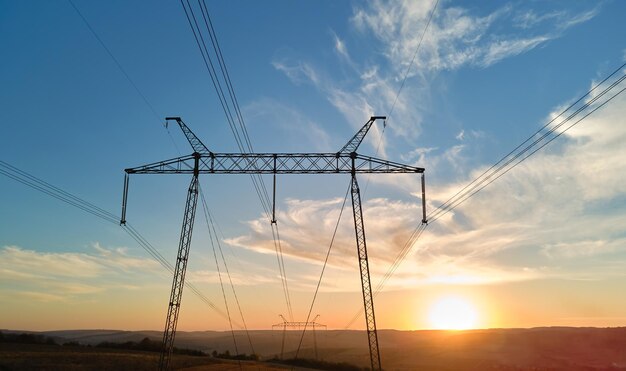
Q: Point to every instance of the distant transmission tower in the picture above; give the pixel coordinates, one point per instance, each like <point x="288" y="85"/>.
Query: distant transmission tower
<point x="203" y="161"/>
<point x="284" y="325"/>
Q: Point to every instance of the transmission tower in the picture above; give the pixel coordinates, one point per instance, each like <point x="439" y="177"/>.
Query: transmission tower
<point x="297" y="325"/>
<point x="203" y="161"/>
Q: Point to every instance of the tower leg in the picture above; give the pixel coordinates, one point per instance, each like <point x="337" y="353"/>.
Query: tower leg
<point x="179" y="276"/>
<point x="282" y="345"/>
<point x="368" y="301"/>
<point x="315" y="343"/>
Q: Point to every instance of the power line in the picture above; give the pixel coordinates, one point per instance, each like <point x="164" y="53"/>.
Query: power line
<point x="281" y="266"/>
<point x="122" y="70"/>
<point x="245" y="145"/>
<point x="117" y="63"/>
<point x="219" y="275"/>
<point x="319" y="282"/>
<point x="42" y="186"/>
<point x="467" y="196"/>
<point x="240" y="133"/>
<point x="519" y="150"/>
<point x="406" y="74"/>
<point x="131" y="231"/>
<point x="502" y="167"/>
<point x="90" y="208"/>
<point x="213" y="235"/>
<point x="225" y="74"/>
<point x="53" y="191"/>
<point x="418" y="231"/>
<point x="155" y="253"/>
<point x="419" y="44"/>
<point x="391" y="270"/>
<point x="112" y="218"/>
<point x="200" y="42"/>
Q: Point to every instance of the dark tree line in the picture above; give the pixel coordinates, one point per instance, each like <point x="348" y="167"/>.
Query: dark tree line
<point x="146" y="344"/>
<point x="240" y="357"/>
<point x="26" y="339"/>
<point x="319" y="365"/>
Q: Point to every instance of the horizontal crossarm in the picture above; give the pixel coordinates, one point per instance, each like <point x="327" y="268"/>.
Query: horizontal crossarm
<point x="286" y="163"/>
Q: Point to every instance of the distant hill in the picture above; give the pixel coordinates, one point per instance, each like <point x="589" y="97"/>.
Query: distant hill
<point x="546" y="349"/>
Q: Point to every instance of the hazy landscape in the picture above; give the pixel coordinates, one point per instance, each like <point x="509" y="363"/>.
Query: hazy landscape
<point x="549" y="348"/>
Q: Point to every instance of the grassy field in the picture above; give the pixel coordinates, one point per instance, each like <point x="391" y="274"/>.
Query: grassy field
<point x="76" y="358"/>
<point x="537" y="349"/>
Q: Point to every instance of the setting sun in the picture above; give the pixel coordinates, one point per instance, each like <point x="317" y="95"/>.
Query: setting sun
<point x="452" y="313"/>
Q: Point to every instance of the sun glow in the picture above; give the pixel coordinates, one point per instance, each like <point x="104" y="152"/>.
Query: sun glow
<point x="453" y="313"/>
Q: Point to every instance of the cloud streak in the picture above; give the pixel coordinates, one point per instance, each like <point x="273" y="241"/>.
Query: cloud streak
<point x="521" y="213"/>
<point x="65" y="275"/>
<point x="457" y="38"/>
<point x="560" y="214"/>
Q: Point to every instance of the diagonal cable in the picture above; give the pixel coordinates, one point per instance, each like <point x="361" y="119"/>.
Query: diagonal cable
<point x="319" y="282"/>
<point x="42" y="186"/>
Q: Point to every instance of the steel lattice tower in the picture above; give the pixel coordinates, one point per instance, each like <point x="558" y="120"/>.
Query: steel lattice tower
<point x="203" y="161"/>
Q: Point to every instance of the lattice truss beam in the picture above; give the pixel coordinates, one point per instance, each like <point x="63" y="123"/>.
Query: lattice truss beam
<point x="275" y="163"/>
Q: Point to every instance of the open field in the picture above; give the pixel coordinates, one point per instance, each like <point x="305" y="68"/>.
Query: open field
<point x="77" y="358"/>
<point x="546" y="349"/>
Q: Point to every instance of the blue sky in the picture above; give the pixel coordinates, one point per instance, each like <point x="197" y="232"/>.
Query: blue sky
<point x="307" y="76"/>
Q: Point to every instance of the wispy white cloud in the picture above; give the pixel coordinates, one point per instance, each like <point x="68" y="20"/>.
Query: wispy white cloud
<point x="523" y="211"/>
<point x="554" y="216"/>
<point x="572" y="183"/>
<point x="40" y="296"/>
<point x="453" y="37"/>
<point x="530" y="18"/>
<point x="342" y="50"/>
<point x="560" y="19"/>
<point x="570" y="21"/>
<point x="52" y="276"/>
<point x="457" y="37"/>
<point x="582" y="248"/>
<point x="388" y="227"/>
<point x="418" y="153"/>
<point x="298" y="73"/>
<point x="499" y="50"/>
<point x="55" y="264"/>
